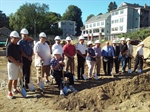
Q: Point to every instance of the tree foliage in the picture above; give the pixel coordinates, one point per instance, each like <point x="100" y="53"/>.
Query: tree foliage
<point x="3" y="20"/>
<point x="91" y="15"/>
<point x="74" y="13"/>
<point x="33" y="16"/>
<point x="112" y="6"/>
<point x="100" y="13"/>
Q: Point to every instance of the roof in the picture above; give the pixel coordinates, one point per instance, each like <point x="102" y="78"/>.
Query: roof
<point x="98" y="18"/>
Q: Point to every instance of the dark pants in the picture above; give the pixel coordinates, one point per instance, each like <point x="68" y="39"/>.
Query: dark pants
<point x="26" y="70"/>
<point x="107" y="66"/>
<point x="58" y="77"/>
<point x="128" y="61"/>
<point x="116" y="65"/>
<point x="81" y="62"/>
<point x="138" y="61"/>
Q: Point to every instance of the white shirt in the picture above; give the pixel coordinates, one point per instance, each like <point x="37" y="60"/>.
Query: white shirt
<point x="140" y="50"/>
<point x="58" y="47"/>
<point x="44" y="52"/>
<point x="81" y="47"/>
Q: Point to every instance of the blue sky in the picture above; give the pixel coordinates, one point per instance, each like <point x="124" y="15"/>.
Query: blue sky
<point x="87" y="6"/>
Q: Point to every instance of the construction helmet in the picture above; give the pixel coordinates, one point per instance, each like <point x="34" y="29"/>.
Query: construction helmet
<point x="81" y="37"/>
<point x="68" y="38"/>
<point x="42" y="34"/>
<point x="57" y="38"/>
<point x="89" y="42"/>
<point x="97" y="42"/>
<point x="14" y="34"/>
<point x="24" y="31"/>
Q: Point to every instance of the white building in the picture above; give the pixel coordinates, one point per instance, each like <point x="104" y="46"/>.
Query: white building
<point x="97" y="25"/>
<point x="68" y="27"/>
<point x="128" y="17"/>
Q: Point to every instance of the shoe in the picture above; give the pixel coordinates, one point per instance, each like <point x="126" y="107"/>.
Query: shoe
<point x="72" y="89"/>
<point x="62" y="92"/>
<point x="16" y="91"/>
<point x="10" y="95"/>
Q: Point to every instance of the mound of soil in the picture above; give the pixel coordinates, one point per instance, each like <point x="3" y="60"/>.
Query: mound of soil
<point x="116" y="93"/>
<point x="146" y="42"/>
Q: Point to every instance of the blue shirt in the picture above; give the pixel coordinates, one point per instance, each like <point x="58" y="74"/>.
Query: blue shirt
<point x="26" y="47"/>
<point x="54" y="62"/>
<point x="107" y="51"/>
<point x="92" y="53"/>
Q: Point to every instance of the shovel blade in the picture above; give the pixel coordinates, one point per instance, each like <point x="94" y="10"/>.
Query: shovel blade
<point x="96" y="77"/>
<point x="23" y="92"/>
<point x="139" y="70"/>
<point x="84" y="76"/>
<point x="31" y="86"/>
<point x="65" y="90"/>
<point x="41" y="84"/>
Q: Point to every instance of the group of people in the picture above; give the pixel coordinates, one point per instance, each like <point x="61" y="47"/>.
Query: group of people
<point x="58" y="58"/>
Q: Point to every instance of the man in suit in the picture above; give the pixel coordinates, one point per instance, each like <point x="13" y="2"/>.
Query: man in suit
<point x="116" y="55"/>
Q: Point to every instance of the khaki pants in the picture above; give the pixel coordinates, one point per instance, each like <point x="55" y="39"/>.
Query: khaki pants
<point x="40" y="70"/>
<point x="70" y="63"/>
<point x="98" y="65"/>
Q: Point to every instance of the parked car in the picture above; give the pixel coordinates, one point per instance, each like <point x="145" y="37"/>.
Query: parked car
<point x="135" y="42"/>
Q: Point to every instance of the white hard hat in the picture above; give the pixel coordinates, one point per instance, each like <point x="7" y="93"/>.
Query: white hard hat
<point x="81" y="37"/>
<point x="68" y="38"/>
<point x="57" y="38"/>
<point x="42" y="34"/>
<point x="89" y="42"/>
<point x="123" y="38"/>
<point x="97" y="42"/>
<point x="14" y="34"/>
<point x="127" y="39"/>
<point x="56" y="51"/>
<point x="141" y="43"/>
<point x="24" y="31"/>
<point x="114" y="41"/>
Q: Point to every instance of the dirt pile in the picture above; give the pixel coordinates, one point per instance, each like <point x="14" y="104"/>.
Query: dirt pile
<point x="146" y="42"/>
<point x="113" y="93"/>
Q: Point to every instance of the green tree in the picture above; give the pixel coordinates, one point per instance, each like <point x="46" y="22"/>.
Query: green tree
<point x="74" y="13"/>
<point x="91" y="15"/>
<point x="112" y="6"/>
<point x="100" y="13"/>
<point x="28" y="16"/>
<point x="3" y="20"/>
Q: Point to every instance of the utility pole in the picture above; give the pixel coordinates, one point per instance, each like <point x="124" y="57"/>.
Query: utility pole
<point x="35" y="30"/>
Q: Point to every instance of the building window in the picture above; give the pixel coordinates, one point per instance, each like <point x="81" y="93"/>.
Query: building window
<point x="116" y="28"/>
<point x="121" y="20"/>
<point x="98" y="24"/>
<point x="112" y="21"/>
<point x="94" y="24"/>
<point x="121" y="28"/>
<point x="63" y="23"/>
<point x="90" y="25"/>
<point x="116" y="21"/>
<point x="112" y="13"/>
<point x="102" y="23"/>
<point x="116" y="13"/>
<point x="86" y="26"/>
<point x="121" y="11"/>
<point x="136" y="18"/>
<point x="112" y="29"/>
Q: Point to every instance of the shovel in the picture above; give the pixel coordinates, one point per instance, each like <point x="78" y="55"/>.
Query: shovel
<point x="41" y="83"/>
<point x="65" y="89"/>
<point x="31" y="86"/>
<point x="22" y="89"/>
<point x="95" y="75"/>
<point x="139" y="70"/>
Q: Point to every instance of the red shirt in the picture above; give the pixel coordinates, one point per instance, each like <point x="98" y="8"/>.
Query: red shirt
<point x="69" y="49"/>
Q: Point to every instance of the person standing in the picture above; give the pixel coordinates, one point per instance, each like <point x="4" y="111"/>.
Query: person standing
<point x="97" y="50"/>
<point x="122" y="56"/>
<point x="27" y="53"/>
<point x="129" y="54"/>
<point x="58" y="46"/>
<point x="42" y="58"/>
<point x="13" y="54"/>
<point x="108" y="55"/>
<point x="139" y="57"/>
<point x="90" y="59"/>
<point x="69" y="52"/>
<point x="81" y="54"/>
<point x="116" y="55"/>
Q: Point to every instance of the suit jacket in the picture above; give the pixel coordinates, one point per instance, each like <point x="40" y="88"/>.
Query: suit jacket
<point x="117" y="51"/>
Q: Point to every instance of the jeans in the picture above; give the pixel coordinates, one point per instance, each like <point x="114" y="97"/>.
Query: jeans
<point x="122" y="58"/>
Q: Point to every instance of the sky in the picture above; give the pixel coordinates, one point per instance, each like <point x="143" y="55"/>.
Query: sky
<point x="59" y="6"/>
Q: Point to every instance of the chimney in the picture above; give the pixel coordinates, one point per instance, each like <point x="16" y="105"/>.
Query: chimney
<point x="145" y="6"/>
